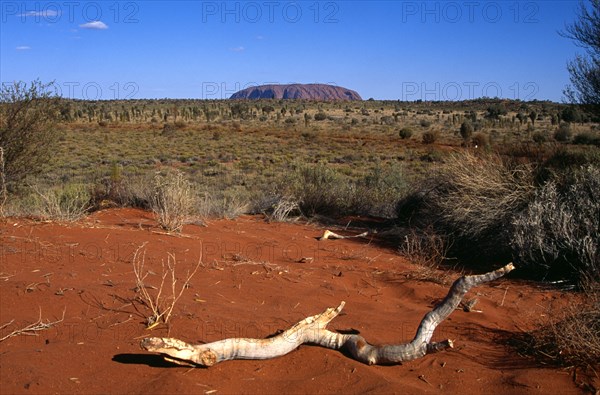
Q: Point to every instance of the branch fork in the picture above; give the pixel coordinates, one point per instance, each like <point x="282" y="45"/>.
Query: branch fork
<point x="313" y="330"/>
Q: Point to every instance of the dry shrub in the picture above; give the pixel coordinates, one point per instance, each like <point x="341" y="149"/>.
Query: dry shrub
<point x="425" y="248"/>
<point x="428" y="250"/>
<point x="31" y="329"/>
<point x="479" y="193"/>
<point x="471" y="201"/>
<point x="282" y="208"/>
<point x="558" y="232"/>
<point x="319" y="190"/>
<point x="68" y="202"/>
<point x="480" y="140"/>
<point x="227" y="204"/>
<point x="573" y="339"/>
<point x="158" y="299"/>
<point x="172" y="199"/>
<point x="545" y="219"/>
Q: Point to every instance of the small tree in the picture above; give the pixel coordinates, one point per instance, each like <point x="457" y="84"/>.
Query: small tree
<point x="533" y="117"/>
<point x="495" y="111"/>
<point x="585" y="69"/>
<point x="29" y="114"/>
<point x="571" y="114"/>
<point x="306" y="119"/>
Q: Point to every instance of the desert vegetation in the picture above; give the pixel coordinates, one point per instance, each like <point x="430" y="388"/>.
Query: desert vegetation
<point x="463" y="184"/>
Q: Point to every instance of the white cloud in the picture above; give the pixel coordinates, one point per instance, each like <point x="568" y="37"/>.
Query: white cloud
<point x="237" y="49"/>
<point x="95" y="25"/>
<point x="23" y="48"/>
<point x="43" y="14"/>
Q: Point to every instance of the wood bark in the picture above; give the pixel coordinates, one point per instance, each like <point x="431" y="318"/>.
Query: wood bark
<point x="313" y="330"/>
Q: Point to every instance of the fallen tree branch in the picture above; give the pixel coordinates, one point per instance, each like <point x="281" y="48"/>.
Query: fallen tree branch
<point x="314" y="330"/>
<point x="330" y="235"/>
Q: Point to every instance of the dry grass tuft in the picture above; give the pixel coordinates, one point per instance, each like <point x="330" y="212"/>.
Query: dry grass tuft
<point x="477" y="193"/>
<point x="172" y="200"/>
<point x="428" y="250"/>
<point x="282" y="209"/>
<point x="69" y="202"/>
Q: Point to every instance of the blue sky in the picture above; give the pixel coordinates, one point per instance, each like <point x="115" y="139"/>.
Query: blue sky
<point x="406" y="50"/>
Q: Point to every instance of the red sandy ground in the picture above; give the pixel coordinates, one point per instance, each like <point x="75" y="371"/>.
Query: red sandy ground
<point x="251" y="284"/>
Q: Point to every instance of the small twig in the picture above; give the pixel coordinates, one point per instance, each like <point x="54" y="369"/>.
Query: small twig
<point x="505" y="291"/>
<point x="5" y="277"/>
<point x="32" y="329"/>
<point x="422" y="378"/>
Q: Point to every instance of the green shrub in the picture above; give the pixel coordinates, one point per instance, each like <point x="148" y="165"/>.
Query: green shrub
<point x="320" y="116"/>
<point x="405" y="133"/>
<point x="495" y="111"/>
<point x="320" y="189"/>
<point x="563" y="133"/>
<point x="586" y="138"/>
<point x="430" y="137"/>
<point x="565" y="161"/>
<point x="466" y="130"/>
<point x="425" y="123"/>
<point x="377" y="192"/>
<point x="28" y="132"/>
<point x="540" y="137"/>
<point x="571" y="114"/>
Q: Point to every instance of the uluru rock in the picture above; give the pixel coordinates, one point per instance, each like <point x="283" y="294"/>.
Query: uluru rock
<point x="322" y="92"/>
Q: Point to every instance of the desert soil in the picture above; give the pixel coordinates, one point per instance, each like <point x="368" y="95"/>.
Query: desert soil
<point x="256" y="278"/>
